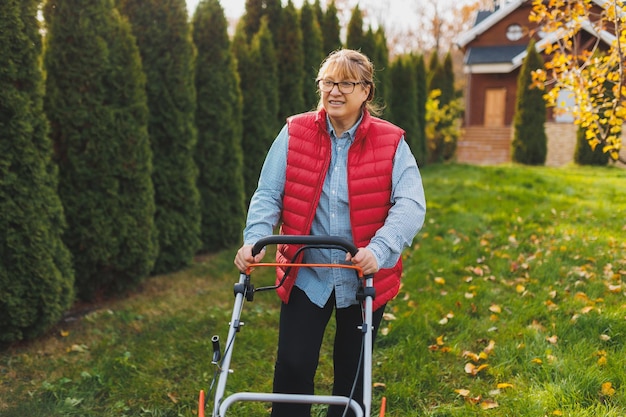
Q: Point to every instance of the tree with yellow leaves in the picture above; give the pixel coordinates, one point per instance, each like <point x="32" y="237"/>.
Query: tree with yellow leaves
<point x="586" y="44"/>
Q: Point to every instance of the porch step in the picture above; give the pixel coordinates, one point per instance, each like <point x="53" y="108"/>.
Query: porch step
<point x="484" y="145"/>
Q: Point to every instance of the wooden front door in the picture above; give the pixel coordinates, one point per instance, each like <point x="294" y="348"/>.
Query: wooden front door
<point x="495" y="107"/>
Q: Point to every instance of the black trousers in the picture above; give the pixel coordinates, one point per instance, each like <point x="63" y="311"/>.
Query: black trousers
<point x="302" y="327"/>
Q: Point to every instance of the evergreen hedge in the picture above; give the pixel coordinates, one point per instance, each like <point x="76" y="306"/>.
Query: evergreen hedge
<point x="163" y="35"/>
<point x="290" y="55"/>
<point x="219" y="154"/>
<point x="313" y="53"/>
<point x="96" y="103"/>
<point x="584" y="155"/>
<point x="404" y="110"/>
<point x="331" y="30"/>
<point x="36" y="276"/>
<point x="260" y="100"/>
<point x="530" y="142"/>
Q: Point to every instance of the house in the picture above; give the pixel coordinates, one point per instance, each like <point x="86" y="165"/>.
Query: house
<point x="494" y="50"/>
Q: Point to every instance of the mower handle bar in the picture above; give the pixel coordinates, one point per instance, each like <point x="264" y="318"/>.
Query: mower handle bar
<point x="320" y="241"/>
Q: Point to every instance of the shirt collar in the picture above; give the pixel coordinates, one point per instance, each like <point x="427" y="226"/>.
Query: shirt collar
<point x="350" y="131"/>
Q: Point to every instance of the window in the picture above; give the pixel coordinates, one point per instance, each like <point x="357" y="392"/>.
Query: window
<point x="514" y="32"/>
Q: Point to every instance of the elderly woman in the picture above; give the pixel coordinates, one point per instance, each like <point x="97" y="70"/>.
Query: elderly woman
<point x="337" y="171"/>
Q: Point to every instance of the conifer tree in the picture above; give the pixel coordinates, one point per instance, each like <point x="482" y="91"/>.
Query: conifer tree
<point x="36" y="275"/>
<point x="530" y="143"/>
<point x="273" y="11"/>
<point x="252" y="17"/>
<point x="290" y="56"/>
<point x="260" y="100"/>
<point x="97" y="106"/>
<point x="443" y="80"/>
<point x="219" y="152"/>
<point x="368" y="47"/>
<point x="265" y="58"/>
<point x="163" y="35"/>
<point x="404" y="104"/>
<point x="584" y="155"/>
<point x="331" y="30"/>
<point x="422" y="96"/>
<point x="355" y="37"/>
<point x="312" y="46"/>
<point x="380" y="60"/>
<point x="319" y="14"/>
<point x="433" y="64"/>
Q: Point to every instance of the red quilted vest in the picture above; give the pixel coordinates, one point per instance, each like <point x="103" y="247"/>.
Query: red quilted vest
<point x="370" y="166"/>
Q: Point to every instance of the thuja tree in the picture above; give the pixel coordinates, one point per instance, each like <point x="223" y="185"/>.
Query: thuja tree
<point x="584" y="155"/>
<point x="355" y="36"/>
<point x="219" y="153"/>
<point x="313" y="50"/>
<point x="530" y="142"/>
<point x="442" y="126"/>
<point x="380" y="58"/>
<point x="251" y="20"/>
<point x="36" y="276"/>
<point x="443" y="80"/>
<point x="421" y="79"/>
<point x="163" y="35"/>
<point x="404" y="104"/>
<point x="96" y="103"/>
<point x="331" y="30"/>
<point x="290" y="56"/>
<point x="260" y="100"/>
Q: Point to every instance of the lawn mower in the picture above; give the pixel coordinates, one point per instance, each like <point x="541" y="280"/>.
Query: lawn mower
<point x="244" y="291"/>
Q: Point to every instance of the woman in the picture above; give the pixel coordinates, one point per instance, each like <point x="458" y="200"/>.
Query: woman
<point x="337" y="171"/>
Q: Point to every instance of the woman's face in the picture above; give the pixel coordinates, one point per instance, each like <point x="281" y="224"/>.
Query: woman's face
<point x="341" y="107"/>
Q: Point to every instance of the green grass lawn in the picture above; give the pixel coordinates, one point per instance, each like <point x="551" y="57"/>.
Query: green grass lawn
<point x="513" y="304"/>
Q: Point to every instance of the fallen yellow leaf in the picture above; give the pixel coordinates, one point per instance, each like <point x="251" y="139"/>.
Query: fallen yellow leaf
<point x="503" y="385"/>
<point x="489" y="404"/>
<point x="587" y="309"/>
<point x="552" y="339"/>
<point x="389" y="316"/>
<point x="439" y="281"/>
<point x="615" y="288"/>
<point x="494" y="308"/>
<point x="472" y="369"/>
<point x="471" y="355"/>
<point x="607" y="389"/>
<point x="462" y="392"/>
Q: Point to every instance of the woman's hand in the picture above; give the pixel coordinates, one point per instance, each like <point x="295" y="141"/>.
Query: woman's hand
<point x="364" y="259"/>
<point x="244" y="257"/>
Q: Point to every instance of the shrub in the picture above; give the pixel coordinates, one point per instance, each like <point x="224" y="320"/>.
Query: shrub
<point x="96" y="103"/>
<point x="36" y="276"/>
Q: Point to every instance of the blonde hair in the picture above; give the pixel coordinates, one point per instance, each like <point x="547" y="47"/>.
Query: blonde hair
<point x="348" y="64"/>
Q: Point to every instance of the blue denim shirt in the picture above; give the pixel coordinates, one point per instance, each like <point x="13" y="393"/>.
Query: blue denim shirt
<point x="332" y="217"/>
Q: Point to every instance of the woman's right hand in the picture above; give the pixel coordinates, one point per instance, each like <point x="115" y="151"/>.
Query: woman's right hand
<point x="244" y="257"/>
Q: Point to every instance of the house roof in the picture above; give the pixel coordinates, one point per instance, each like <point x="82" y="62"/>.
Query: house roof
<point x="486" y="19"/>
<point x="506" y="58"/>
<point x="492" y="54"/>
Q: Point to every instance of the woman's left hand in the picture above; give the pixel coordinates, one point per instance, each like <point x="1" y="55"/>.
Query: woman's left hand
<point x="364" y="259"/>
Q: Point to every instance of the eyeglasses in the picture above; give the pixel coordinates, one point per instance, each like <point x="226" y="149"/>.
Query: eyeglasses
<point x="345" y="87"/>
